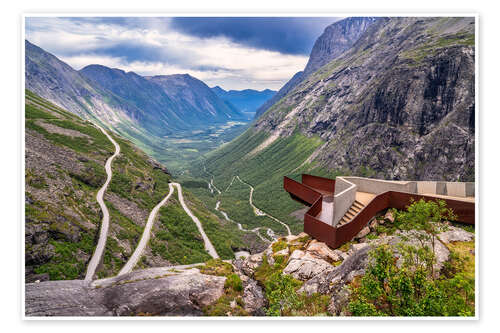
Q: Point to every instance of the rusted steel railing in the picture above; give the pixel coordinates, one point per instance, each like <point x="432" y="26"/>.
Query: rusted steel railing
<point x="304" y="192"/>
<point x="337" y="236"/>
<point x="320" y="183"/>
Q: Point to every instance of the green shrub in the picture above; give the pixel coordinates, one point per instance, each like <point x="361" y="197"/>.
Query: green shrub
<point x="410" y="290"/>
<point x="233" y="281"/>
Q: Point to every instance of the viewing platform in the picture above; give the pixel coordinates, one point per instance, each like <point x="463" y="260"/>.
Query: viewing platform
<point x="341" y="207"/>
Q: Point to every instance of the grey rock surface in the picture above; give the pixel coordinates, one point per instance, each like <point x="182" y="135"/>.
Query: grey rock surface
<point x="405" y="90"/>
<point x="454" y="234"/>
<point x="169" y="294"/>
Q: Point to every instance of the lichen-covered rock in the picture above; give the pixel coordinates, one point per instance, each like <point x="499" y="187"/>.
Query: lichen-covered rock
<point x="365" y="231"/>
<point x="306" y="267"/>
<point x="389" y="217"/>
<point x="339" y="301"/>
<point x="250" y="264"/>
<point x="253" y="297"/>
<point x="454" y="234"/>
<point x="322" y="251"/>
<point x="331" y="280"/>
<point x="172" y="294"/>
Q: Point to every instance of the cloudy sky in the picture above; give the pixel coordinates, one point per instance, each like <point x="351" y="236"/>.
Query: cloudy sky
<point x="233" y="52"/>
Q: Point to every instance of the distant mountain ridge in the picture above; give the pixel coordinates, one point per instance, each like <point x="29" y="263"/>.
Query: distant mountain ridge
<point x="247" y="100"/>
<point x="143" y="109"/>
<point x="336" y="39"/>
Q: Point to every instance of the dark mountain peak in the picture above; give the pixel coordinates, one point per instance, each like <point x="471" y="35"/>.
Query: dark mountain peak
<point x="337" y="38"/>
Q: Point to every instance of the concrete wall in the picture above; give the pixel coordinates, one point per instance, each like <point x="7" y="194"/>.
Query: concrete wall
<point x="470" y="189"/>
<point x="379" y="186"/>
<point x="455" y="189"/>
<point x="427" y="187"/>
<point x="345" y="194"/>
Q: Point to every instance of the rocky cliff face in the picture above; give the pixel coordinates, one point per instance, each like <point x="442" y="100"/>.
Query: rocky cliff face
<point x="335" y="40"/>
<point x="399" y="104"/>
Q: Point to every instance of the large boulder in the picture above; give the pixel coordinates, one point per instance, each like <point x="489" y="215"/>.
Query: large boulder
<point x="322" y="251"/>
<point x="306" y="267"/>
<point x="331" y="280"/>
<point x="454" y="234"/>
<point x="170" y="294"/>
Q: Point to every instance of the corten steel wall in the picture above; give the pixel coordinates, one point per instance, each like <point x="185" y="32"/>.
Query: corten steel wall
<point x="346" y="232"/>
<point x="312" y="226"/>
<point x="335" y="237"/>
<point x="464" y="210"/>
<point x="305" y="193"/>
<point x="320" y="183"/>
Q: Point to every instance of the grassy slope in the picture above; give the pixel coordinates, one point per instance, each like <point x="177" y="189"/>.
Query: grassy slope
<point x="77" y="195"/>
<point x="264" y="171"/>
<point x="135" y="182"/>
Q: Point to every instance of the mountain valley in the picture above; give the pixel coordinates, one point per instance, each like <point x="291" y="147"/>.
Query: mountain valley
<point x="199" y="222"/>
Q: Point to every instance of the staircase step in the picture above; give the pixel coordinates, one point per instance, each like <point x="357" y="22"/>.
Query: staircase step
<point x="355" y="209"/>
<point x="358" y="204"/>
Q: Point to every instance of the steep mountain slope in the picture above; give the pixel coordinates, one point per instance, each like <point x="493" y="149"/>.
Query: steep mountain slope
<point x="335" y="40"/>
<point x="247" y="101"/>
<point x="157" y="114"/>
<point x="196" y="102"/>
<point x="141" y="93"/>
<point x="398" y="105"/>
<point x="65" y="158"/>
<point x="57" y="82"/>
<point x="164" y="98"/>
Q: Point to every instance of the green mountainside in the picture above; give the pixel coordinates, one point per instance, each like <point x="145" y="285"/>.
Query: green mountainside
<point x="173" y="118"/>
<point x="65" y="159"/>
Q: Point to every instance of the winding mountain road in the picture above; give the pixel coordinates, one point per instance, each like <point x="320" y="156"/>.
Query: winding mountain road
<point x="146" y="235"/>
<point x="260" y="212"/>
<point x="270" y="233"/>
<point x="101" y="244"/>
<point x="208" y="245"/>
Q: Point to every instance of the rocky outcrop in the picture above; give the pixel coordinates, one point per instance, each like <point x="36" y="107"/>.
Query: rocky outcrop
<point x="185" y="291"/>
<point x="454" y="234"/>
<point x="149" y="292"/>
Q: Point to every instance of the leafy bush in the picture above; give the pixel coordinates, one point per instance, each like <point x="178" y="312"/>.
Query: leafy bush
<point x="413" y="288"/>
<point x="281" y="294"/>
<point x="410" y="290"/>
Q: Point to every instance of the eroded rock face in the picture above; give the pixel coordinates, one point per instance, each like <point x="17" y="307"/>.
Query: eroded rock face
<point x="253" y="297"/>
<point x="413" y="110"/>
<point x="331" y="280"/>
<point x="171" y="294"/>
<point x="249" y="264"/>
<point x="322" y="251"/>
